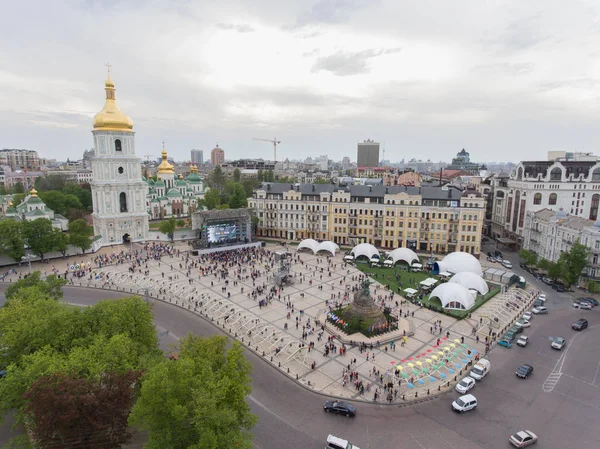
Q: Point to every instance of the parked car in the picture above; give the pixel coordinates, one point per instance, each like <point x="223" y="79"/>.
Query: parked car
<point x="465" y="385"/>
<point x="585" y="305"/>
<point x="499" y="259"/>
<point x="542" y="297"/>
<point x="558" y="343"/>
<point x="491" y="259"/>
<point x="540" y="310"/>
<point x="538" y="303"/>
<point x="558" y="287"/>
<point x="523" y="340"/>
<point x="527" y="316"/>
<point x="340" y="407"/>
<point x="523" y="323"/>
<point x="547" y="280"/>
<point x="580" y="324"/>
<point x="505" y="342"/>
<point x="522" y="265"/>
<point x="506" y="264"/>
<point x="339" y="443"/>
<point x="524" y="371"/>
<point x="592" y="300"/>
<point x="523" y="438"/>
<point x="465" y="403"/>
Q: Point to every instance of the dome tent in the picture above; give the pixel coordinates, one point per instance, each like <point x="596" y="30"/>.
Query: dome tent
<point x="308" y="244"/>
<point x="364" y="249"/>
<point x="328" y="246"/>
<point x="453" y="296"/>
<point x="471" y="281"/>
<point x="403" y="254"/>
<point x="458" y="262"/>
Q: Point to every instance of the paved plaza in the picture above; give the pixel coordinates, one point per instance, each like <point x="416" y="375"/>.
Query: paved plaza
<point x="274" y="329"/>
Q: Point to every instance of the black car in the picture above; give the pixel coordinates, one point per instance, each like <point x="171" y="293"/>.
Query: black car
<point x="580" y="324"/>
<point x="339" y="407"/>
<point x="592" y="301"/>
<point x="558" y="287"/>
<point x="524" y="371"/>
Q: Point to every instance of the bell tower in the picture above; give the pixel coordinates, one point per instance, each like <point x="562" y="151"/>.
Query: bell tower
<point x="118" y="191"/>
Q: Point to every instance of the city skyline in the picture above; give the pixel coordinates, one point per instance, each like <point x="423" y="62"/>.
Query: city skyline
<point x="425" y="80"/>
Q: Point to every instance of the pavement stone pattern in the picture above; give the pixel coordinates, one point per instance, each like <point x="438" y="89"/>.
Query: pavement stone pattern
<point x="228" y="304"/>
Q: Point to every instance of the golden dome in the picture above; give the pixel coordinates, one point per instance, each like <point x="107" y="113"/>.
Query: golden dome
<point x="33" y="192"/>
<point x="110" y="118"/>
<point x="193" y="169"/>
<point x="165" y="167"/>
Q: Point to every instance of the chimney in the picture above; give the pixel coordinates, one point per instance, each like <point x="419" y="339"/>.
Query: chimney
<point x="387" y="190"/>
<point x="291" y="186"/>
<point x="441" y="172"/>
<point x="370" y="188"/>
<point x="313" y="187"/>
<point x="449" y="192"/>
<point x="419" y="190"/>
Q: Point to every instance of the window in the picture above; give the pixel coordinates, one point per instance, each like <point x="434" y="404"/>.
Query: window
<point x="552" y="199"/>
<point x="596" y="175"/>
<point x="556" y="174"/>
<point x="120" y="170"/>
<point x="537" y="198"/>
<point x="123" y="202"/>
<point x="594" y="206"/>
<point x="118" y="145"/>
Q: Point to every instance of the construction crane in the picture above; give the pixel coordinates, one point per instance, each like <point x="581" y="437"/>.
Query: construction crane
<point x="147" y="157"/>
<point x="274" y="142"/>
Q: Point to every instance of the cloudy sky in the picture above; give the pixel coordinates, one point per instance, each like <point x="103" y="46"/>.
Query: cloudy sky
<point x="425" y="78"/>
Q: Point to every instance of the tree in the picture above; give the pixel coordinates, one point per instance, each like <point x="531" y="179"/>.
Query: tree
<point x="238" y="198"/>
<point x="260" y="175"/>
<point x="40" y="236"/>
<point x="50" y="182"/>
<point x="60" y="241"/>
<point x="216" y="179"/>
<point x="18" y="198"/>
<point x="50" y="288"/>
<point x="556" y="270"/>
<point x="59" y="202"/>
<point x="198" y="399"/>
<point x="11" y="239"/>
<point x="322" y="181"/>
<point x="543" y="264"/>
<point x="269" y="176"/>
<point x="237" y="175"/>
<point x="79" y="234"/>
<point x="574" y="262"/>
<point x="83" y="193"/>
<point x="168" y="227"/>
<point x="180" y="223"/>
<point x="19" y="187"/>
<point x="212" y="199"/>
<point x="74" y="412"/>
<point x="529" y="257"/>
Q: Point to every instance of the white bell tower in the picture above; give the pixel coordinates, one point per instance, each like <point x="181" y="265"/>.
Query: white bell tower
<point x="118" y="191"/>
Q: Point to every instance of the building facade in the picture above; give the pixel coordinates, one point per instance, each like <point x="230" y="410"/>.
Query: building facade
<point x="573" y="186"/>
<point x="462" y="162"/>
<point x="549" y="233"/>
<point x="20" y="159"/>
<point x="367" y="154"/>
<point x="197" y="157"/>
<point x="425" y="219"/>
<point x="118" y="191"/>
<point x="217" y="156"/>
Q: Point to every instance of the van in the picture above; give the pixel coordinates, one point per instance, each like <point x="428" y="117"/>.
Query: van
<point x="465" y="403"/>
<point x="339" y="443"/>
<point x="480" y="370"/>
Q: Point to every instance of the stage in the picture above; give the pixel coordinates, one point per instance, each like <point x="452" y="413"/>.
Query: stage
<point x="227" y="248"/>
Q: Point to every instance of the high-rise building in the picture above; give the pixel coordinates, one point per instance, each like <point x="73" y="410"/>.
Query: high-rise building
<point x="217" y="156"/>
<point x="197" y="157"/>
<point x="20" y="159"/>
<point x="368" y="154"/>
<point x="345" y="163"/>
<point x="118" y="191"/>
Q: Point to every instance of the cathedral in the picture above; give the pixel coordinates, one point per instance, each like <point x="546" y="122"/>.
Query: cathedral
<point x="171" y="195"/>
<point x="119" y="193"/>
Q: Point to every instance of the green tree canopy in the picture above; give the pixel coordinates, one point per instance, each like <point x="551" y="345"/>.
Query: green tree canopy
<point x="543" y="264"/>
<point x="237" y="175"/>
<point x="269" y="176"/>
<point x="60" y="202"/>
<point x="168" y="227"/>
<point x="18" y="198"/>
<point x="40" y="236"/>
<point x="529" y="257"/>
<point x="51" y="287"/>
<point x="575" y="261"/>
<point x="556" y="270"/>
<point x="19" y="187"/>
<point x="198" y="400"/>
<point x="50" y="182"/>
<point x="83" y="193"/>
<point x="212" y="199"/>
<point x="80" y="233"/>
<point x="12" y="242"/>
<point x="238" y="198"/>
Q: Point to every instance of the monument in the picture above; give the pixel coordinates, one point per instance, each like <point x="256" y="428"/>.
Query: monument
<point x="364" y="308"/>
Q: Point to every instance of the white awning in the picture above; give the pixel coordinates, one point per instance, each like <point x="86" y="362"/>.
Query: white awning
<point x="410" y="291"/>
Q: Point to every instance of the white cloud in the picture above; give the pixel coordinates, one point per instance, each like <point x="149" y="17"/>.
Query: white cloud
<point x="429" y="77"/>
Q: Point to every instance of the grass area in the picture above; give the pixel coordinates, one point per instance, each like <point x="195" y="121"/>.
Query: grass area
<point x="363" y="326"/>
<point x="155" y="224"/>
<point x="392" y="276"/>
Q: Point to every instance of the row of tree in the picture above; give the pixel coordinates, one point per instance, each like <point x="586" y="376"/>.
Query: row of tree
<point x="568" y="268"/>
<point x="41" y="237"/>
<point x="81" y="377"/>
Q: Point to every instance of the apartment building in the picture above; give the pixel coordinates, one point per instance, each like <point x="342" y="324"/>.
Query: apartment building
<point x="425" y="219"/>
<point x="573" y="186"/>
<point x="20" y="159"/>
<point x="549" y="233"/>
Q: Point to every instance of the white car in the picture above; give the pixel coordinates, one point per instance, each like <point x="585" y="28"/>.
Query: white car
<point x="465" y="385"/>
<point x="541" y="310"/>
<point x="523" y="323"/>
<point x="523" y="438"/>
<point x="542" y="297"/>
<point x="527" y="316"/>
<point x="558" y="343"/>
<point x="585" y="306"/>
<point x="339" y="443"/>
<point x="506" y="264"/>
<point x="523" y="340"/>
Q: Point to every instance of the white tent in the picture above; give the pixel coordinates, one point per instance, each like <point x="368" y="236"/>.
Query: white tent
<point x="403" y="254"/>
<point x="410" y="292"/>
<point x="308" y="244"/>
<point x="416" y="267"/>
<point x="453" y="296"/>
<point x="458" y="262"/>
<point x="328" y="246"/>
<point x="388" y="263"/>
<point x="364" y="249"/>
<point x="471" y="281"/>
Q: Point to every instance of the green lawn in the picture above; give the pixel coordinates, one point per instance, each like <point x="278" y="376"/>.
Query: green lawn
<point x="387" y="276"/>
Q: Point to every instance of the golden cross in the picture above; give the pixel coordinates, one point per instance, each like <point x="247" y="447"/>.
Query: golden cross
<point x="163" y="144"/>
<point x="108" y="66"/>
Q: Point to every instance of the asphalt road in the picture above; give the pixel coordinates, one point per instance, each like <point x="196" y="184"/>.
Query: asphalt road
<point x="291" y="417"/>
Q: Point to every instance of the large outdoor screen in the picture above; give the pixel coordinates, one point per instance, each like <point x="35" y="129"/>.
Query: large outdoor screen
<point x="222" y="233"/>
